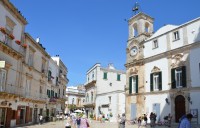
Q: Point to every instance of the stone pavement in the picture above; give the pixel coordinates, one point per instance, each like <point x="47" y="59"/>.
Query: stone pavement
<point x="93" y="124"/>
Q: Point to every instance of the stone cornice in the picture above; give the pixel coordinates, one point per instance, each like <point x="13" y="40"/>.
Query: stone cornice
<point x="15" y="11"/>
<point x="10" y="51"/>
<point x="167" y="54"/>
<point x="37" y="45"/>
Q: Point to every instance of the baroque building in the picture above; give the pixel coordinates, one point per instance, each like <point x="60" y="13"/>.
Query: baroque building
<point x="162" y="68"/>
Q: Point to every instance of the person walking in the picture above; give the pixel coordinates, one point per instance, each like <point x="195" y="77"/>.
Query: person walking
<point x="122" y="121"/>
<point x="185" y="122"/>
<point x="40" y="119"/>
<point x="139" y="121"/>
<point x="145" y="120"/>
<point x="84" y="122"/>
<point x="169" y="118"/>
<point x="78" y="122"/>
<point x="68" y="123"/>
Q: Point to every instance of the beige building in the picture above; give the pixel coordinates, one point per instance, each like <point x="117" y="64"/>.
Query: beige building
<point x="12" y="25"/>
<point x="26" y="86"/>
<point x="75" y="98"/>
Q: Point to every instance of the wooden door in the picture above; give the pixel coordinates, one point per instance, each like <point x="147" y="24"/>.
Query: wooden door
<point x="179" y="107"/>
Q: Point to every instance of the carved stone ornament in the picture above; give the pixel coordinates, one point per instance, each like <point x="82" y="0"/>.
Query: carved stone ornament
<point x="177" y="60"/>
<point x="133" y="71"/>
<point x="155" y="69"/>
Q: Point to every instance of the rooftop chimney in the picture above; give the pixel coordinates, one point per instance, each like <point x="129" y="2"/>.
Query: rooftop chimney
<point x="111" y="66"/>
<point x="38" y="40"/>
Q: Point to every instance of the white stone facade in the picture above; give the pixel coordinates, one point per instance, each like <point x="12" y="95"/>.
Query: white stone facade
<point x="168" y="70"/>
<point x="105" y="89"/>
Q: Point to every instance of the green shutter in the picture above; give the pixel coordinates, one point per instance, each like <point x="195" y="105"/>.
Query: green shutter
<point x="130" y="85"/>
<point x="151" y="82"/>
<point x="51" y="93"/>
<point x="105" y="75"/>
<point x="173" y="80"/>
<point x="56" y="95"/>
<point x="136" y="84"/>
<point x="118" y="77"/>
<point x="160" y="80"/>
<point x="184" y="79"/>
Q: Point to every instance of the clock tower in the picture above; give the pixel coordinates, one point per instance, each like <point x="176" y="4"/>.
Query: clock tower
<point x="140" y="29"/>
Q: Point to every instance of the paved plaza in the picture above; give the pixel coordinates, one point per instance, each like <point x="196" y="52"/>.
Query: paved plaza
<point x="93" y="124"/>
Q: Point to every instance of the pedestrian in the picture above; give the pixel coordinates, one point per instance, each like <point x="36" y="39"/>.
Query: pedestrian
<point x="118" y="120"/>
<point x="145" y="120"/>
<point x="40" y="119"/>
<point x="122" y="121"/>
<point x="139" y="121"/>
<point x="185" y="122"/>
<point x="169" y="118"/>
<point x="68" y="123"/>
<point x="78" y="122"/>
<point x="84" y="122"/>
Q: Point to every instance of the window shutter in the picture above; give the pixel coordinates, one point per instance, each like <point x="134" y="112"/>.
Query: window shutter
<point x="173" y="80"/>
<point x="151" y="82"/>
<point x="136" y="84"/>
<point x="130" y="85"/>
<point x="184" y="79"/>
<point x="160" y="80"/>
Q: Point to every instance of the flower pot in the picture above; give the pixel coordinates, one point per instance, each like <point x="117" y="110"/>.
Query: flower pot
<point x="18" y="42"/>
<point x="11" y="36"/>
<point x="3" y="30"/>
<point x="24" y="45"/>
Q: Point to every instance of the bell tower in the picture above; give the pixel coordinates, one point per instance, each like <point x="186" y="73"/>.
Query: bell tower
<point x="140" y="28"/>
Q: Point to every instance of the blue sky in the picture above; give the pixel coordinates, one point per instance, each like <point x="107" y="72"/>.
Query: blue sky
<point x="85" y="32"/>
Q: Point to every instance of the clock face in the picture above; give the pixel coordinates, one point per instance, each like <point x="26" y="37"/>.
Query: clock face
<point x="134" y="51"/>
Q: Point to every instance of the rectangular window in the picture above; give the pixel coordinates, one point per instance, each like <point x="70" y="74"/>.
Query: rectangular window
<point x="134" y="84"/>
<point x="63" y="92"/>
<point x="28" y="87"/>
<point x="30" y="58"/>
<point x="176" y="35"/>
<point x="43" y="66"/>
<point x="156" y="81"/>
<point x="40" y="89"/>
<point x="155" y="44"/>
<point x="105" y="75"/>
<point x="49" y="75"/>
<point x="2" y="79"/>
<point x="118" y="77"/>
<point x="178" y="77"/>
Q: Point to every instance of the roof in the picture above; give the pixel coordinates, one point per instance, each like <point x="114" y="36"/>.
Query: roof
<point x="163" y="30"/>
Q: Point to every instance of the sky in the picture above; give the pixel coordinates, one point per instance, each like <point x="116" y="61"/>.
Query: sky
<point x="86" y="32"/>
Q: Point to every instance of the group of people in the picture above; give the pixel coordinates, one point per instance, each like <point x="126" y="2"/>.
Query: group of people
<point x="79" y="122"/>
<point x="184" y="122"/>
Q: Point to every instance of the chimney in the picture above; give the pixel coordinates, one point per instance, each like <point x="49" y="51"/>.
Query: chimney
<point x="111" y="66"/>
<point x="38" y="40"/>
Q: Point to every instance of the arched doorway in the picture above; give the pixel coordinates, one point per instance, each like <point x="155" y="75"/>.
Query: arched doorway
<point x="179" y="107"/>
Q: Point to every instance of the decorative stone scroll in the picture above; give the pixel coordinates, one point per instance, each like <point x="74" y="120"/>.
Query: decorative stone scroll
<point x="155" y="69"/>
<point x="177" y="60"/>
<point x="133" y="71"/>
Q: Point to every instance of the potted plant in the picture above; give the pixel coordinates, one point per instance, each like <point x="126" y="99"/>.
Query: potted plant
<point x="18" y="42"/>
<point x="11" y="36"/>
<point x="3" y="30"/>
<point x="24" y="45"/>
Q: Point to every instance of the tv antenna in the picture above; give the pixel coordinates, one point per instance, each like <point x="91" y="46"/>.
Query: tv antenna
<point x="136" y="8"/>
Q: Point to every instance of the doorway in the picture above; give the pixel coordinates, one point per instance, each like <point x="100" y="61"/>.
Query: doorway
<point x="35" y="115"/>
<point x="179" y="107"/>
<point x="133" y="111"/>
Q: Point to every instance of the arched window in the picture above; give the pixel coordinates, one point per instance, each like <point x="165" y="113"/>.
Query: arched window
<point x="135" y="30"/>
<point x="146" y="27"/>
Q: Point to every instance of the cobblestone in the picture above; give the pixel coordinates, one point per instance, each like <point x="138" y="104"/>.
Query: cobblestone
<point x="93" y="124"/>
